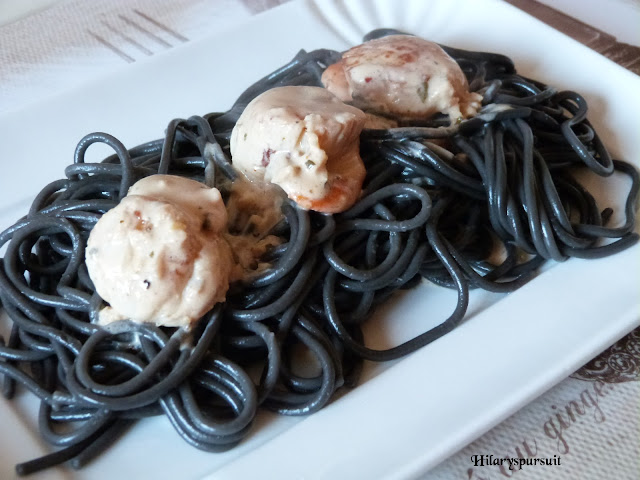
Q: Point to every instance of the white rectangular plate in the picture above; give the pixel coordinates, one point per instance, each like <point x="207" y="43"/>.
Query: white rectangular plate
<point x="410" y="415"/>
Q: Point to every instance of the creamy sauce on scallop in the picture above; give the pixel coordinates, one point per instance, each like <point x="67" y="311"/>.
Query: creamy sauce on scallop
<point x="404" y="77"/>
<point x="304" y="140"/>
<point x="254" y="209"/>
<point x="159" y="256"/>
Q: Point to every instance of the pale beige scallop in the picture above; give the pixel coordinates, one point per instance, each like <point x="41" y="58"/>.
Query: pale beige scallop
<point x="159" y="256"/>
<point x="304" y="140"/>
<point x="404" y="77"/>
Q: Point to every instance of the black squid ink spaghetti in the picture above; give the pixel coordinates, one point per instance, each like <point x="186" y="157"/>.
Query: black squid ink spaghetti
<point x="438" y="201"/>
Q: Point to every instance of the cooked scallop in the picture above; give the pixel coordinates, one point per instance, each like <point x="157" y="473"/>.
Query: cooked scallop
<point x="404" y="77"/>
<point x="306" y="141"/>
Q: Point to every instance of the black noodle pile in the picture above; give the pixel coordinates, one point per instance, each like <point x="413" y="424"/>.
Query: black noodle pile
<point x="438" y="202"/>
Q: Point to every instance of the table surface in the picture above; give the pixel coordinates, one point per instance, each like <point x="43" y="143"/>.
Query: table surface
<point x="589" y="424"/>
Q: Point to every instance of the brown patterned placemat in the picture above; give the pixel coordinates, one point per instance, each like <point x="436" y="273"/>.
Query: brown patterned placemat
<point x="604" y="43"/>
<point x="618" y="363"/>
